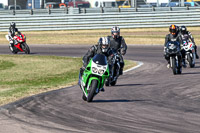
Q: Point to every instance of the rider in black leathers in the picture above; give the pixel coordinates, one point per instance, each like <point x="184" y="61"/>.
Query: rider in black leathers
<point x="117" y="43"/>
<point x="173" y="36"/>
<point x="11" y="33"/>
<point x="186" y="35"/>
<point x="103" y="47"/>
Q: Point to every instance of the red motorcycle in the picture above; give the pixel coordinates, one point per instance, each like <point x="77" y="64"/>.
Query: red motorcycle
<point x="19" y="44"/>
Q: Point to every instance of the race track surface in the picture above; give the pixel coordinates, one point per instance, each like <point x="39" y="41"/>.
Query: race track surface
<point x="149" y="99"/>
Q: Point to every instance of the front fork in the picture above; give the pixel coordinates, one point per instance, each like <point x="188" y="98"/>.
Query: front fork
<point x="178" y="61"/>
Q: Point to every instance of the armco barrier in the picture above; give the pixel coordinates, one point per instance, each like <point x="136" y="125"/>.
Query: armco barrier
<point x="63" y="21"/>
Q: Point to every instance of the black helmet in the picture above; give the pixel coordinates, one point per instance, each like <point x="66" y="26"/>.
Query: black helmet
<point x="104" y="43"/>
<point x="12" y="25"/>
<point x="183" y="29"/>
<point x="173" y="29"/>
<point x="115" y="32"/>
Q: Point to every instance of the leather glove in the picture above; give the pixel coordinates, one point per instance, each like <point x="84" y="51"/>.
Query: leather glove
<point x="123" y="52"/>
<point x="82" y="68"/>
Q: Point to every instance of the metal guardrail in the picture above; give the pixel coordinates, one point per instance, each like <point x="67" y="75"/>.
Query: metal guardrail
<point x="63" y="21"/>
<point x="93" y="10"/>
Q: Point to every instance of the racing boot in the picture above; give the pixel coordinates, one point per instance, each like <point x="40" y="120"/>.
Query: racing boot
<point x="12" y="44"/>
<point x="168" y="63"/>
<point x="82" y="69"/>
<point x="102" y="89"/>
<point x="80" y="75"/>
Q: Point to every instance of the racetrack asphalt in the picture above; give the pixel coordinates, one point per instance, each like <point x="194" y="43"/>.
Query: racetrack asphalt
<point x="149" y="99"/>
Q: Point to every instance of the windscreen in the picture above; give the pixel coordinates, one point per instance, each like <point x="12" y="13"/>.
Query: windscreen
<point x="100" y="59"/>
<point x="172" y="42"/>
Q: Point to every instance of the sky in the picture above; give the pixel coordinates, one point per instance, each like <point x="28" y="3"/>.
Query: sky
<point x="5" y="2"/>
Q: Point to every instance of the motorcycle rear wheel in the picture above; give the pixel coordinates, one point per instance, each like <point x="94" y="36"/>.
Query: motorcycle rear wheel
<point x="113" y="83"/>
<point x="107" y="82"/>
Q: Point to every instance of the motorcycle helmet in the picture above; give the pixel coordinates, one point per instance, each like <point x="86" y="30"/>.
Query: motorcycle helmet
<point x="183" y="29"/>
<point x="12" y="25"/>
<point x="115" y="32"/>
<point x="104" y="43"/>
<point x="173" y="29"/>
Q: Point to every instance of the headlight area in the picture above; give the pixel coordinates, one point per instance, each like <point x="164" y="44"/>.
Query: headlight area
<point x="100" y="71"/>
<point x="94" y="70"/>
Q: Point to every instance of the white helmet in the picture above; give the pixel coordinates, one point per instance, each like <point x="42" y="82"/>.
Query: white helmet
<point x="104" y="43"/>
<point x="115" y="32"/>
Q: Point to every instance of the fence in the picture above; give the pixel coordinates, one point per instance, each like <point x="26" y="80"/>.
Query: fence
<point x="125" y="18"/>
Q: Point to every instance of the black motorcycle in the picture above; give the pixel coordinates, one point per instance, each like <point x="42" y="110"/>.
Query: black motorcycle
<point x="114" y="73"/>
<point x="173" y="50"/>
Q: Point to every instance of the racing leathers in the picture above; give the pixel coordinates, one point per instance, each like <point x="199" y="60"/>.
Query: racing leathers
<point x="119" y="45"/>
<point x="186" y="37"/>
<point x="96" y="49"/>
<point x="168" y="38"/>
<point x="11" y="34"/>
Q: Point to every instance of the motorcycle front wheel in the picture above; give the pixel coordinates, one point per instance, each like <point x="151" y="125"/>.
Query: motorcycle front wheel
<point x="84" y="97"/>
<point x="92" y="90"/>
<point x="190" y="60"/>
<point x="174" y="67"/>
<point x="26" y="48"/>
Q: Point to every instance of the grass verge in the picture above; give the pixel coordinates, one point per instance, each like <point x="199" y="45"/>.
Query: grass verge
<point x="24" y="75"/>
<point x="152" y="36"/>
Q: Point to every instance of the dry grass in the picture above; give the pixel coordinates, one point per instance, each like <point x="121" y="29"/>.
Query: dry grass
<point x="152" y="36"/>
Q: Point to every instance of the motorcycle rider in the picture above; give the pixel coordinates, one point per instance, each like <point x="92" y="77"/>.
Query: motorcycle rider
<point x="103" y="47"/>
<point x="11" y="33"/>
<point x="118" y="43"/>
<point x="172" y="36"/>
<point x="186" y="36"/>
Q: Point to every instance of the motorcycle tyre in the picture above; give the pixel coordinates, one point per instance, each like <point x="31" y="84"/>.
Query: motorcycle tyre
<point x="26" y="48"/>
<point x="190" y="61"/>
<point x="84" y="97"/>
<point x="13" y="50"/>
<point x="174" y="68"/>
<point x="93" y="88"/>
<point x="179" y="71"/>
<point x="113" y="83"/>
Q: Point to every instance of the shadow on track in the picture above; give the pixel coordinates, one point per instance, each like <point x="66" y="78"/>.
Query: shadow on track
<point x="197" y="67"/>
<point x="132" y="85"/>
<point x="118" y="100"/>
<point x="190" y="73"/>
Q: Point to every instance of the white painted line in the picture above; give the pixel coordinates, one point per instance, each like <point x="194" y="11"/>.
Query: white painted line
<point x="139" y="65"/>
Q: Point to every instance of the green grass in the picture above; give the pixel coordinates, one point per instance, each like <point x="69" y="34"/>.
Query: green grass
<point x="25" y="75"/>
<point x="6" y="64"/>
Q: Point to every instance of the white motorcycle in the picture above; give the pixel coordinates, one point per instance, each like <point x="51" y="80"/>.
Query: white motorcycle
<point x="190" y="55"/>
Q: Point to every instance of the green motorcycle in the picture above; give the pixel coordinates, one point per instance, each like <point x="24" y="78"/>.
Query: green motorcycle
<point x="93" y="77"/>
